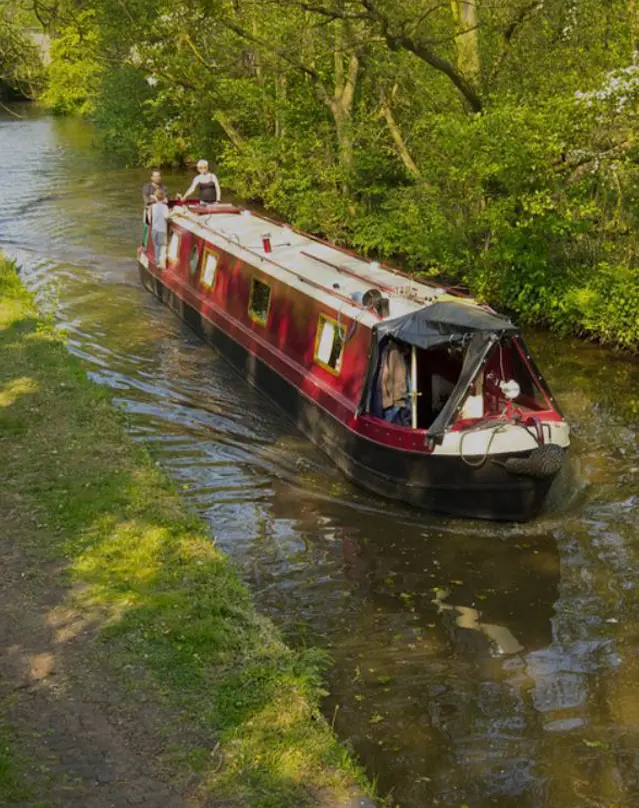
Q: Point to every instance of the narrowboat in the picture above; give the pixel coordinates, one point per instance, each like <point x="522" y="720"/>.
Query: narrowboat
<point x="416" y="392"/>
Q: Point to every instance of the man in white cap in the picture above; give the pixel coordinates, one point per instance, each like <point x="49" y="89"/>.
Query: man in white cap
<point x="206" y="184"/>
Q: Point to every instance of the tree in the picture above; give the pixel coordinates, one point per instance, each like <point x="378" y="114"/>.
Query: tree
<point x="21" y="66"/>
<point x="491" y="142"/>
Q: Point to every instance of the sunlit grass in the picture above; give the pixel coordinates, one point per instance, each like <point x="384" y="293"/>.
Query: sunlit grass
<point x="14" y="389"/>
<point x="167" y="602"/>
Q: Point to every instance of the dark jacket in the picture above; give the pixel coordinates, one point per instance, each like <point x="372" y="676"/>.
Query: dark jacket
<point x="148" y="192"/>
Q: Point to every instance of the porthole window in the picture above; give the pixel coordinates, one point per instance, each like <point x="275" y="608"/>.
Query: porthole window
<point x="259" y="301"/>
<point x="174" y="246"/>
<point x="209" y="268"/>
<point x="329" y="344"/>
<point x="194" y="258"/>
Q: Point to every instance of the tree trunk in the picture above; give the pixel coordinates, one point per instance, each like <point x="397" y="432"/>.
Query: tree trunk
<point x="400" y="143"/>
<point x="344" y="131"/>
<point x="467" y="38"/>
<point x="341" y="104"/>
<point x="281" y="93"/>
<point x="633" y="12"/>
<point x="231" y="132"/>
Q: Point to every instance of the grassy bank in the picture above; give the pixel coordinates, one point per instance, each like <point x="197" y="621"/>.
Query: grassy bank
<point x="173" y="618"/>
<point x="13" y="787"/>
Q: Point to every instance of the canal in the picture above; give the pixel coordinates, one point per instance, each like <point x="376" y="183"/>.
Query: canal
<point x="475" y="664"/>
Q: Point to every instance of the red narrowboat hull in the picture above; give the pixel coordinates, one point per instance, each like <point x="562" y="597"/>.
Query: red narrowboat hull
<point x="387" y="460"/>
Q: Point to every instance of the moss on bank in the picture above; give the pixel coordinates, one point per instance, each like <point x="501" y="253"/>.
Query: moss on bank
<point x="170" y="607"/>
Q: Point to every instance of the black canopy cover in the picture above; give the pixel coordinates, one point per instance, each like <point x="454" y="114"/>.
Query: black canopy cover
<point x="443" y="323"/>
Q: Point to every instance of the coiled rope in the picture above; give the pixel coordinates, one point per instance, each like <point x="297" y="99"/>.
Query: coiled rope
<point x="484" y="424"/>
<point x="545" y="460"/>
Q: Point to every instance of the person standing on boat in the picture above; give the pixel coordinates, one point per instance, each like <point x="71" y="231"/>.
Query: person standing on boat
<point x="206" y="184"/>
<point x="149" y="188"/>
<point x="159" y="211"/>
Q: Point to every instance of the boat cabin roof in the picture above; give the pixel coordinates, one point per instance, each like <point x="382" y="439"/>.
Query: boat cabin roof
<point x="335" y="277"/>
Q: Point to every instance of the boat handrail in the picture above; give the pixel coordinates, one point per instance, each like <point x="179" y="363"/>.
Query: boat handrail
<point x="453" y="290"/>
<point x="346" y="271"/>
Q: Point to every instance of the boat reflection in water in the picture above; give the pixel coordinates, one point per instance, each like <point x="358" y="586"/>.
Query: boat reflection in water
<point x="435" y="636"/>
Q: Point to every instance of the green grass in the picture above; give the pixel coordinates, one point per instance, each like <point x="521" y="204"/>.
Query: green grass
<point x="168" y="603"/>
<point x="13" y="787"/>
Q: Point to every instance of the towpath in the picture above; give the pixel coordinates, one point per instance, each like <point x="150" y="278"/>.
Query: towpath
<point x="84" y="741"/>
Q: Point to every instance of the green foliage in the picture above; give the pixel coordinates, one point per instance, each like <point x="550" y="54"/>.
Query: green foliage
<point x="364" y="122"/>
<point x="74" y="71"/>
<point x="119" y="112"/>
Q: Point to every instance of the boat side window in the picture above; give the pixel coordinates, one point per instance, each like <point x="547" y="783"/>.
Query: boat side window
<point x="174" y="246"/>
<point x="329" y="344"/>
<point x="209" y="268"/>
<point x="194" y="259"/>
<point x="259" y="301"/>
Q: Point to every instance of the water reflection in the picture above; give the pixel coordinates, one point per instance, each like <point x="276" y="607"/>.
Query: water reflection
<point x="429" y="692"/>
<point x="474" y="663"/>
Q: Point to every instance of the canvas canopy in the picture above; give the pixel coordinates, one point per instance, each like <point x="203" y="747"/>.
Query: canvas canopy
<point x="477" y="352"/>
<point x="443" y="323"/>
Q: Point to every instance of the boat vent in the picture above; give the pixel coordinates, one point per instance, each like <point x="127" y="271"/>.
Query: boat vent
<point x="372" y="299"/>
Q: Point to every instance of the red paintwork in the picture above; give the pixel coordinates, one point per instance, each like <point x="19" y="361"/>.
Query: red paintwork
<point x="287" y="342"/>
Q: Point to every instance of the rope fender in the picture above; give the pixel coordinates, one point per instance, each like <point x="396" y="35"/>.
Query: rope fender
<point x="544" y="461"/>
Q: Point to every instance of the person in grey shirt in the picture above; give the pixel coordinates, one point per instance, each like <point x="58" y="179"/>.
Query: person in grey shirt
<point x="159" y="211"/>
<point x="205" y="184"/>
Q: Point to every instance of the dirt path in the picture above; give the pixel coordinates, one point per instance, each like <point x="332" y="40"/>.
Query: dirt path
<point x="88" y="744"/>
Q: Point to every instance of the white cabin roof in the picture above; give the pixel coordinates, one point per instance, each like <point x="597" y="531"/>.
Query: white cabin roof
<point x="319" y="270"/>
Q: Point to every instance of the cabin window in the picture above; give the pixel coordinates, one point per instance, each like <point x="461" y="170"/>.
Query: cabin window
<point x="259" y="301"/>
<point x="531" y="395"/>
<point x="174" y="246"/>
<point x="329" y="344"/>
<point x="194" y="259"/>
<point x="209" y="268"/>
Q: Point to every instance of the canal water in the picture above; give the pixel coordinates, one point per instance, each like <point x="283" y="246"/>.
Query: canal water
<point x="475" y="664"/>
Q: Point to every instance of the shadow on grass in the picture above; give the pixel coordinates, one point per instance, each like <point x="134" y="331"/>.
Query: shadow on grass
<point x="148" y="577"/>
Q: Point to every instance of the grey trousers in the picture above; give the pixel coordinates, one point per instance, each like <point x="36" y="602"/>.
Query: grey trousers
<point x="159" y="241"/>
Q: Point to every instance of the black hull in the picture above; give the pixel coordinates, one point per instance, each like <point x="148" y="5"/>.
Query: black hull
<point x="443" y="484"/>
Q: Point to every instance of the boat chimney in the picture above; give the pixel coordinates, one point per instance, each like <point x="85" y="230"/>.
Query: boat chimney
<point x="372" y="299"/>
<point x="266" y="242"/>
